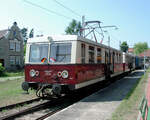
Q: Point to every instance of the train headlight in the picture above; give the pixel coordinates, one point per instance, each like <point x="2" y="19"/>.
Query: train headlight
<point x="59" y="74"/>
<point x="65" y="74"/>
<point x="32" y="73"/>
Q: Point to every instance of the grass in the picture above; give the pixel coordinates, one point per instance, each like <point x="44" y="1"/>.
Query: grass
<point x="11" y="92"/>
<point x="129" y="107"/>
<point x="13" y="74"/>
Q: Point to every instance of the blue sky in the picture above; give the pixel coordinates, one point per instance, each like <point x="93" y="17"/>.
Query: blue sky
<point x="132" y="17"/>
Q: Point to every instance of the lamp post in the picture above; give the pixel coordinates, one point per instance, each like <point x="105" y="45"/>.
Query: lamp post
<point x="144" y="62"/>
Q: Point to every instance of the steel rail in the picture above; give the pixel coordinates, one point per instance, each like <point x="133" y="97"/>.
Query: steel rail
<point x="31" y="109"/>
<point x="50" y="113"/>
<point x="19" y="104"/>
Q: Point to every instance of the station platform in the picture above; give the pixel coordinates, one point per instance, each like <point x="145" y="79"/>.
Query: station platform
<point x="100" y="105"/>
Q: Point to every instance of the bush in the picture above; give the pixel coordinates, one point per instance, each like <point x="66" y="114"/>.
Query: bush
<point x="2" y="69"/>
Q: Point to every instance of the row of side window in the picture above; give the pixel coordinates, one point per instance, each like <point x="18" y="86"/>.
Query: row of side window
<point x="91" y="54"/>
<point x="112" y="58"/>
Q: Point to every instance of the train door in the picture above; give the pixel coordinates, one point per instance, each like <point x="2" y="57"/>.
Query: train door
<point x="112" y="62"/>
<point x="106" y="57"/>
<point x="107" y="68"/>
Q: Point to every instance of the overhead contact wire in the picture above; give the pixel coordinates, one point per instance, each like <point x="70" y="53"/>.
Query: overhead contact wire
<point x="56" y="13"/>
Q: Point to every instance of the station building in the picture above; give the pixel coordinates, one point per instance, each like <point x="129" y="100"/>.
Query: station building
<point x="146" y="54"/>
<point x="11" y="48"/>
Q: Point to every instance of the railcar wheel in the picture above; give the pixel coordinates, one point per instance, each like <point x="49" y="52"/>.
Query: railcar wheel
<point x="56" y="88"/>
<point x="25" y="86"/>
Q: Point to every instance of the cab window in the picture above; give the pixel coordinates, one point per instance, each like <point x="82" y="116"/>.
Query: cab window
<point x="60" y="52"/>
<point x="38" y="52"/>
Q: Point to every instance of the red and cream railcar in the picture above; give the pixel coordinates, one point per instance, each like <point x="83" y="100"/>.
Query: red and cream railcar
<point x="56" y="64"/>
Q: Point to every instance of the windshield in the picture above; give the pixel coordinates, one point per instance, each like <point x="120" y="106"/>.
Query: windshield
<point x="60" y="52"/>
<point x="38" y="52"/>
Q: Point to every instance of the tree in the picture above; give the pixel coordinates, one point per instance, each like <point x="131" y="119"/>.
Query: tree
<point x="25" y="49"/>
<point x="140" y="47"/>
<point x="74" y="28"/>
<point x="24" y="34"/>
<point x="124" y="46"/>
<point x="31" y="35"/>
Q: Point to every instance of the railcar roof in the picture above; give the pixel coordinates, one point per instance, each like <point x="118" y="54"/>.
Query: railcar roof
<point x="47" y="39"/>
<point x="53" y="38"/>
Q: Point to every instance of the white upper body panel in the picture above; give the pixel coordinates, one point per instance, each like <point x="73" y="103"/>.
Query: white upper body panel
<point x="59" y="38"/>
<point x="74" y="40"/>
<point x="51" y="38"/>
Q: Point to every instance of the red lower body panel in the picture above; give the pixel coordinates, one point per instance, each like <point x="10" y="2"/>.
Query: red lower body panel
<point x="77" y="73"/>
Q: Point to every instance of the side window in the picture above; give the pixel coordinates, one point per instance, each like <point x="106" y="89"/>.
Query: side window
<point x="83" y="53"/>
<point x="17" y="60"/>
<point x="17" y="47"/>
<point x="99" y="55"/>
<point x="91" y="54"/>
<point x="12" y="60"/>
<point x="12" y="46"/>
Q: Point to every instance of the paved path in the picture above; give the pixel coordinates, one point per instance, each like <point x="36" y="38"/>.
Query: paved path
<point x="101" y="104"/>
<point x="2" y="79"/>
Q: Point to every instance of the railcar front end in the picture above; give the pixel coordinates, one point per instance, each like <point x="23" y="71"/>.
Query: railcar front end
<point x="48" y="67"/>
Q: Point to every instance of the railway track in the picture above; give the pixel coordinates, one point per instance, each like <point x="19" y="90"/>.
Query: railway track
<point x="19" y="104"/>
<point x="31" y="109"/>
<point x="49" y="104"/>
<point x="51" y="113"/>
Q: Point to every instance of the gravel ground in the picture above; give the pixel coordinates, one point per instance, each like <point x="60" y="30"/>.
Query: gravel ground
<point x="100" y="105"/>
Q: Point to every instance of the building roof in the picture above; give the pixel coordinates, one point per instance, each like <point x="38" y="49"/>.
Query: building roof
<point x="130" y="50"/>
<point x="145" y="53"/>
<point x="3" y="33"/>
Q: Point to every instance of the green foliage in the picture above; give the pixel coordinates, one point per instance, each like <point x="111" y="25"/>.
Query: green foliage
<point x="25" y="49"/>
<point x="31" y="34"/>
<point x="74" y="28"/>
<point x="24" y="34"/>
<point x="2" y="69"/>
<point x="140" y="47"/>
<point x="124" y="46"/>
<point x="14" y="74"/>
